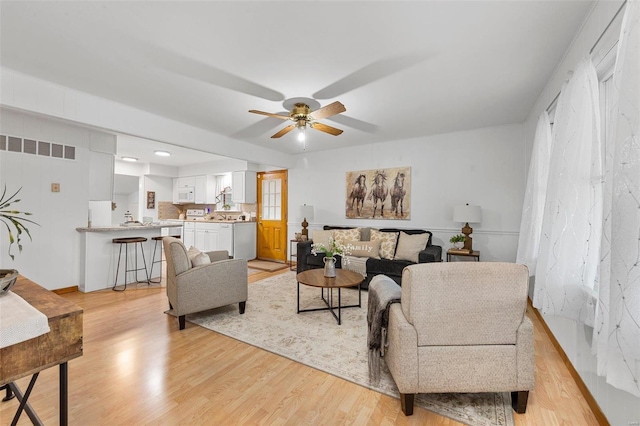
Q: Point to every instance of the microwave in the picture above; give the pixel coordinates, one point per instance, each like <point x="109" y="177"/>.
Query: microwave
<point x="186" y="195"/>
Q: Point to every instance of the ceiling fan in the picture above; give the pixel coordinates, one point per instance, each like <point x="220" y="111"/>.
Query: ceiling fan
<point x="302" y="116"/>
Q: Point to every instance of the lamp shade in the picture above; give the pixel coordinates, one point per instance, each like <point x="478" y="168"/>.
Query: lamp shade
<point x="306" y="212"/>
<point x="467" y="214"/>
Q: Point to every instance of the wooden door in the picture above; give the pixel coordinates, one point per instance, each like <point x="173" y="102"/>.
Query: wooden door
<point x="272" y="215"/>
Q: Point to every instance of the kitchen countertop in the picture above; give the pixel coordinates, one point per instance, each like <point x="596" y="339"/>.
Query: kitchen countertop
<point x="214" y="221"/>
<point x="155" y="225"/>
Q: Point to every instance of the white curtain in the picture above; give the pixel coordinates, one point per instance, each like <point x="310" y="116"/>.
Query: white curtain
<point x="569" y="254"/>
<point x="617" y="332"/>
<point x="535" y="195"/>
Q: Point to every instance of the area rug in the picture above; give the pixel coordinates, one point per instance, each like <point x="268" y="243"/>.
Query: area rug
<point x="264" y="265"/>
<point x="315" y="339"/>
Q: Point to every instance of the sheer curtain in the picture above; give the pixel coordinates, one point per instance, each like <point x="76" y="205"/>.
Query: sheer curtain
<point x="535" y="195"/>
<point x="569" y="253"/>
<point x="617" y="332"/>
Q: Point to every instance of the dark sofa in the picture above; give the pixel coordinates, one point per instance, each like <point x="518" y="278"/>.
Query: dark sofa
<point x="391" y="268"/>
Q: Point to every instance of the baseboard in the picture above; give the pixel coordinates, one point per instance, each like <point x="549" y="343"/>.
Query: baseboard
<point x="66" y="290"/>
<point x="591" y="401"/>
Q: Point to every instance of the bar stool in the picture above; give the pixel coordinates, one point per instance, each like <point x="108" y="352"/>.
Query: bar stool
<point x="126" y="242"/>
<point x="155" y="247"/>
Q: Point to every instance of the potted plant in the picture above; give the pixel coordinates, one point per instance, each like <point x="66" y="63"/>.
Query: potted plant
<point x="14" y="221"/>
<point x="330" y="252"/>
<point x="457" y="241"/>
<point x="226" y="207"/>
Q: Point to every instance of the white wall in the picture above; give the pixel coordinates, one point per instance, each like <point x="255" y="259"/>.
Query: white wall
<point x="53" y="258"/>
<point x="28" y="93"/>
<point x="620" y="408"/>
<point x="122" y="205"/>
<point x="485" y="167"/>
<point x="163" y="187"/>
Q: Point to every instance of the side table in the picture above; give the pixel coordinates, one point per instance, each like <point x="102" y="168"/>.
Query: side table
<point x="453" y="252"/>
<point x="292" y="244"/>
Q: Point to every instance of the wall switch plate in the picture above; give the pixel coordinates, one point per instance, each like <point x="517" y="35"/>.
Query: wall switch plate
<point x="55" y="187"/>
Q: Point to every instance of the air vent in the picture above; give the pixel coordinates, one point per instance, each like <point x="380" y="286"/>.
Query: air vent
<point x="33" y="147"/>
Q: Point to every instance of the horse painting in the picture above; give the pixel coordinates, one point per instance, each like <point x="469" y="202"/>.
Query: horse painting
<point x="379" y="192"/>
<point x="358" y="193"/>
<point x="397" y="194"/>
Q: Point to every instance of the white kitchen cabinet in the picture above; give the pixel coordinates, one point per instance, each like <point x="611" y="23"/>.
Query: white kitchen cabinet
<point x="189" y="234"/>
<point x="207" y="236"/>
<point x="244" y="187"/>
<point x="212" y="236"/>
<point x="183" y="182"/>
<point x="200" y="189"/>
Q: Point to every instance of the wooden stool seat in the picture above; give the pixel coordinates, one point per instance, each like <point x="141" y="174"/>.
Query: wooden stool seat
<point x="128" y="240"/>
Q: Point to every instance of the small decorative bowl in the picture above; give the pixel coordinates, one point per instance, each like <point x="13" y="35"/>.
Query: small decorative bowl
<point x="8" y="278"/>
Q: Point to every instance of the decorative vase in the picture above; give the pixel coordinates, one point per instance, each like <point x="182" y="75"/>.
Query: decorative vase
<point x="8" y="278"/>
<point x="329" y="267"/>
<point x="458" y="245"/>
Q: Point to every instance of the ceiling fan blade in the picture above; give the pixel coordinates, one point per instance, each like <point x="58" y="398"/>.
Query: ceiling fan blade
<point x="327" y="129"/>
<point x="268" y="114"/>
<point x="369" y="74"/>
<point x="285" y="131"/>
<point x="328" y="111"/>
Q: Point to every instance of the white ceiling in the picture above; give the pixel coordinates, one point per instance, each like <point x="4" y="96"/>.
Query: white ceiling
<point x="402" y="69"/>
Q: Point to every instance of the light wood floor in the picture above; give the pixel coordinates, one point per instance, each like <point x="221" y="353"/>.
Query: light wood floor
<point x="138" y="368"/>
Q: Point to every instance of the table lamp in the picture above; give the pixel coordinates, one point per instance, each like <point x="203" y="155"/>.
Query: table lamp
<point x="466" y="214"/>
<point x="306" y="212"/>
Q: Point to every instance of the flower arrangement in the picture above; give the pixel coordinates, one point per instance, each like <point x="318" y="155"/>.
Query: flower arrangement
<point x="12" y="220"/>
<point x="333" y="249"/>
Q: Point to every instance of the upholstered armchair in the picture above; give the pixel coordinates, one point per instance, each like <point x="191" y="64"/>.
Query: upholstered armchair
<point x="461" y="327"/>
<point x="198" y="288"/>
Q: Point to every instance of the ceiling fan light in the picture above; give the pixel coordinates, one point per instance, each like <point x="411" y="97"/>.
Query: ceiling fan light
<point x="301" y="134"/>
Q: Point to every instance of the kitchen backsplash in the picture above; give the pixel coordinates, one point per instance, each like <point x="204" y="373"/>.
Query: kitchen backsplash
<point x="168" y="210"/>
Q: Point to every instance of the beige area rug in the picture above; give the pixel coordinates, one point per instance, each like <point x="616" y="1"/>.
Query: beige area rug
<point x="264" y="265"/>
<point x="315" y="339"/>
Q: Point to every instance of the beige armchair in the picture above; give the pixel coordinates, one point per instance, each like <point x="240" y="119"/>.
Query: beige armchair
<point x="461" y="327"/>
<point x="195" y="289"/>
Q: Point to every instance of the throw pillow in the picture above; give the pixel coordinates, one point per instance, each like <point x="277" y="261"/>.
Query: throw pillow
<point x="201" y="259"/>
<point x="409" y="246"/>
<point x="364" y="249"/>
<point x="322" y="237"/>
<point x="388" y="242"/>
<point x="342" y="236"/>
<point x="193" y="253"/>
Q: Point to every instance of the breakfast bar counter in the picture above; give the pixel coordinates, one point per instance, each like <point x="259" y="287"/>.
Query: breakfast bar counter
<point x="100" y="255"/>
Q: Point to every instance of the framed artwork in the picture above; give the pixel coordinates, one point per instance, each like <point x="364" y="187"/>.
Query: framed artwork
<point x="151" y="200"/>
<point x="378" y="194"/>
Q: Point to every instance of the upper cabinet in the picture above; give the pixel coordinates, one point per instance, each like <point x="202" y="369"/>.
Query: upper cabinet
<point x="183" y="182"/>
<point x="206" y="189"/>
<point x="200" y="196"/>
<point x="244" y="185"/>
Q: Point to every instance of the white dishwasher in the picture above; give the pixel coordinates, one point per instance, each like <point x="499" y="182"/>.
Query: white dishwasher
<point x="225" y="238"/>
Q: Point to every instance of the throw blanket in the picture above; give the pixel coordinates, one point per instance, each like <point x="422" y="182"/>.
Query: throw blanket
<point x="383" y="291"/>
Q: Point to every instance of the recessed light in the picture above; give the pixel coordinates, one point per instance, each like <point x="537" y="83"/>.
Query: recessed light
<point x="130" y="159"/>
<point x="163" y="153"/>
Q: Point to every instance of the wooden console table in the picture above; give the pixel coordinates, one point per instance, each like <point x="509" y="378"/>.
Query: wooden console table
<point x="61" y="344"/>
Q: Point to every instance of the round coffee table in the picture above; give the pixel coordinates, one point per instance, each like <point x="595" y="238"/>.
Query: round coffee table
<point x="343" y="279"/>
